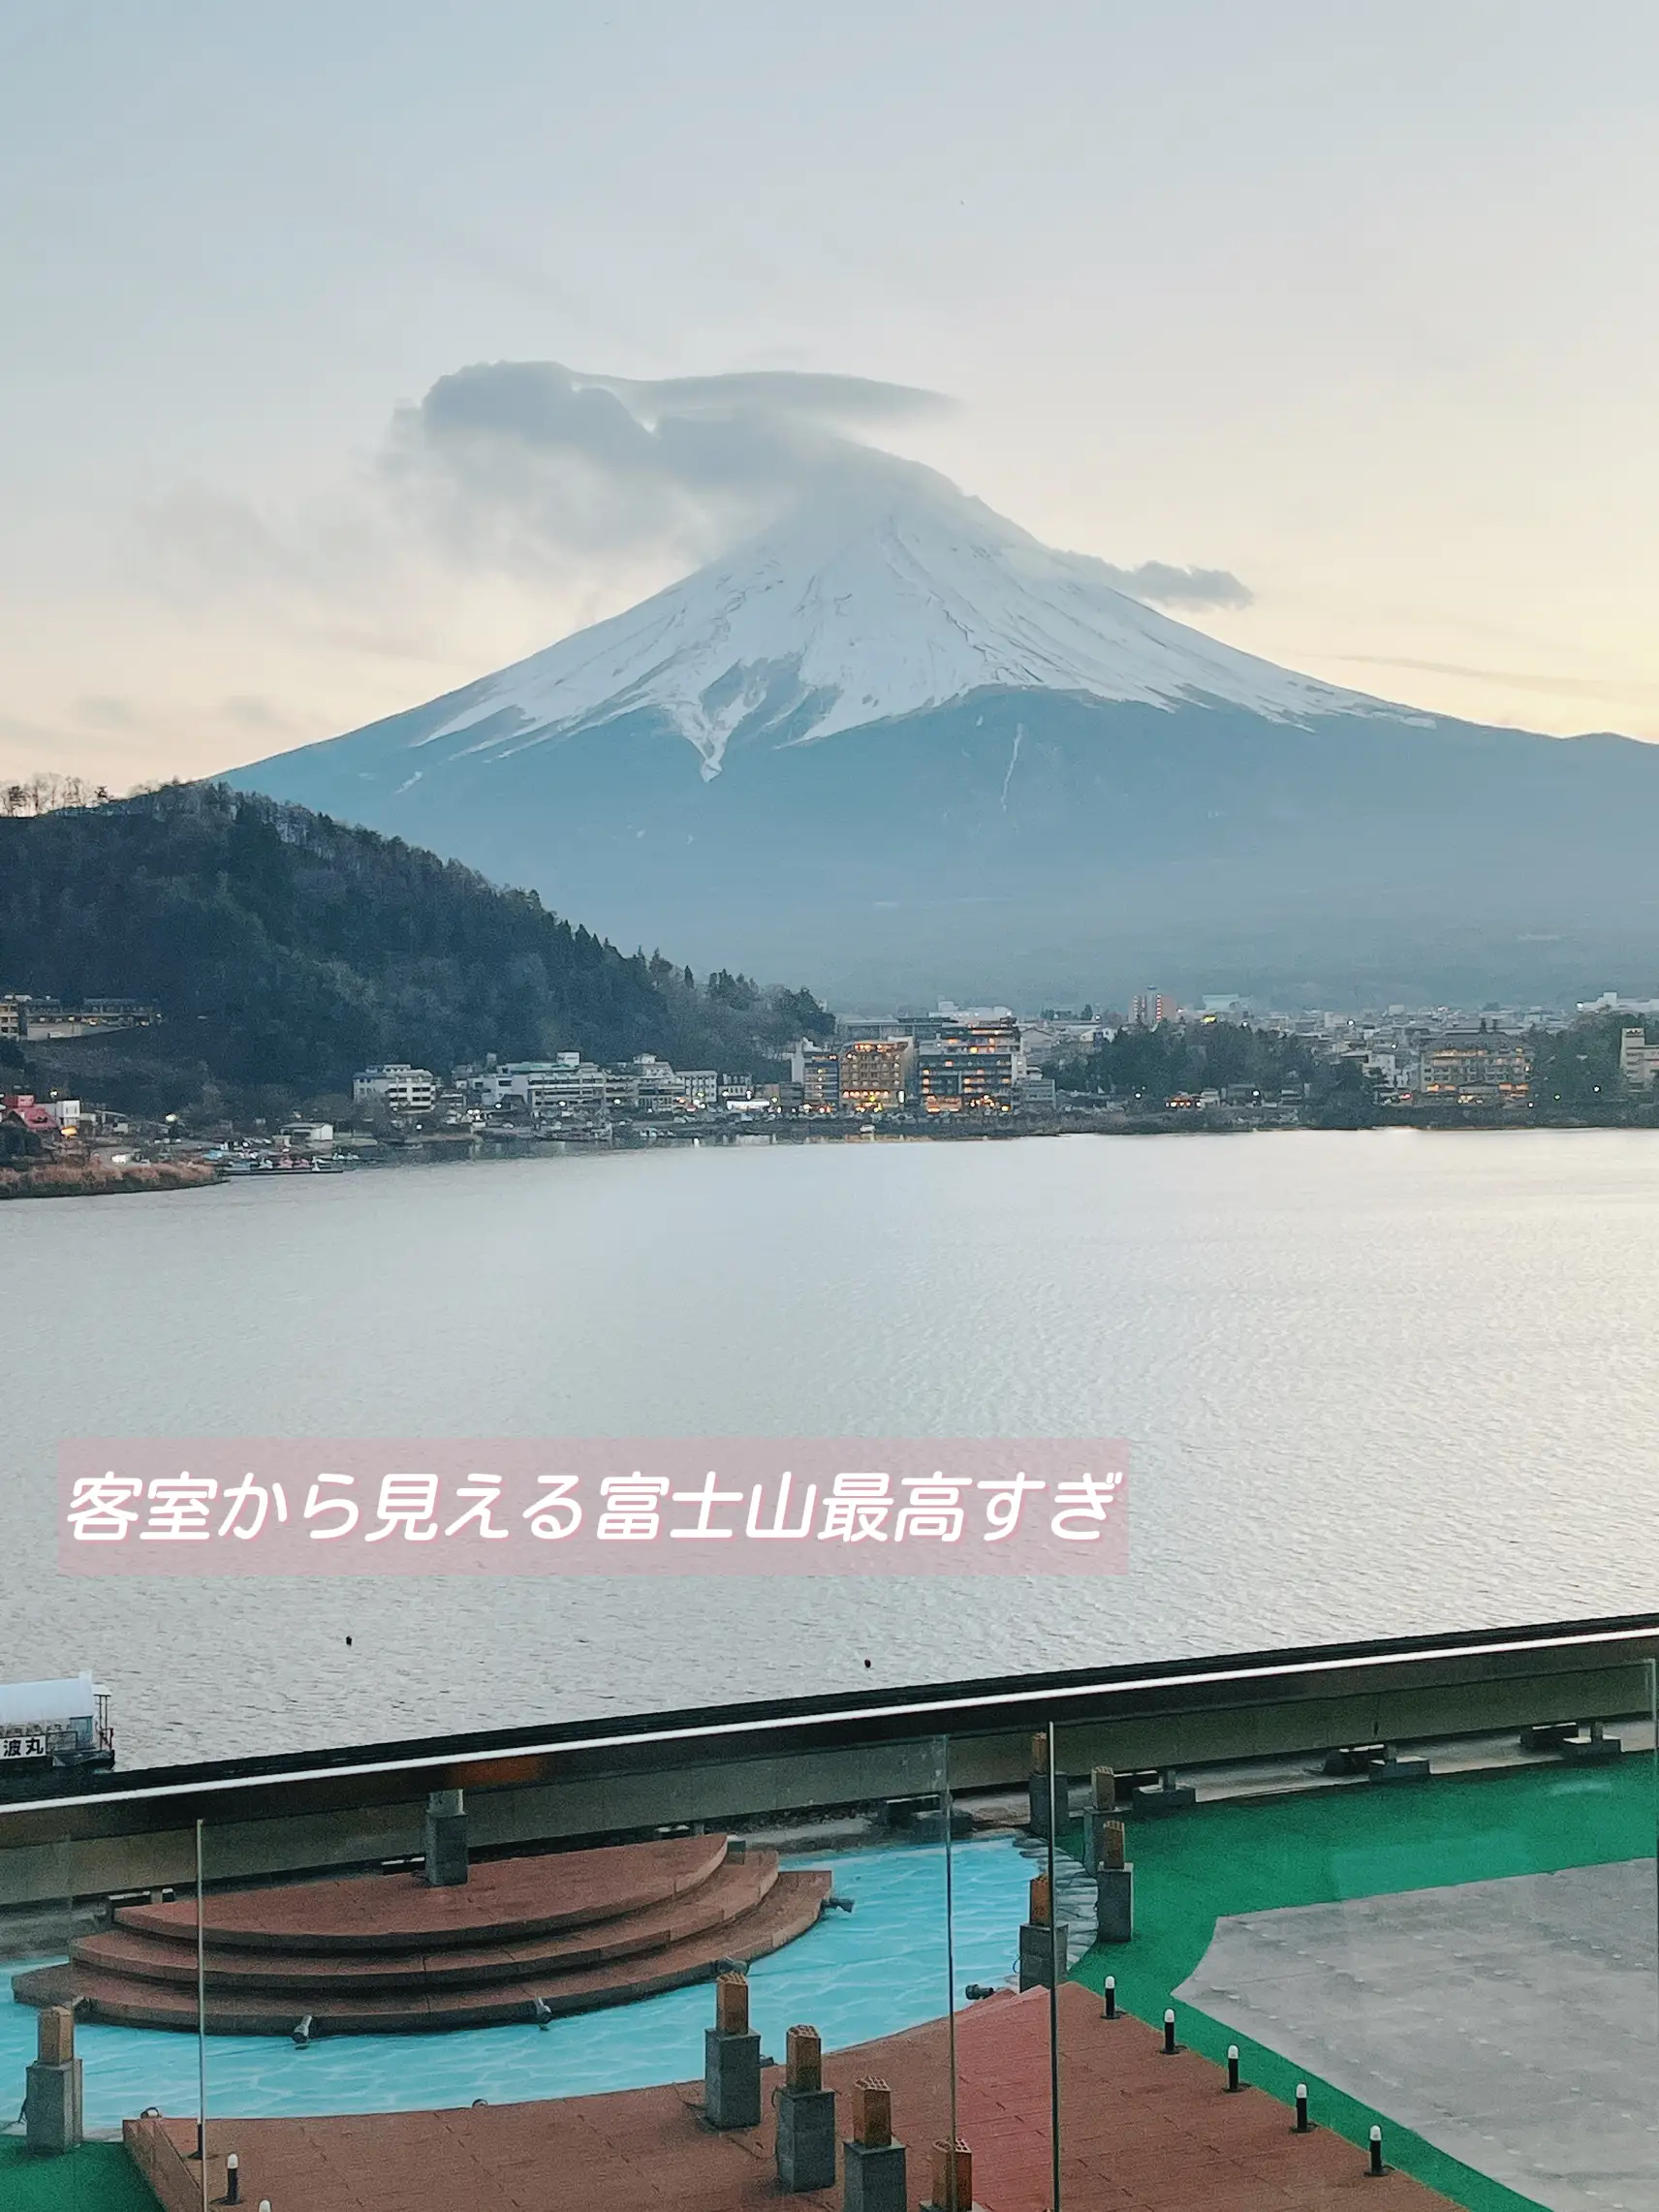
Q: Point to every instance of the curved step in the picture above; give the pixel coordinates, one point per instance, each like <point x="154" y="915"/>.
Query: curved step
<point x="735" y="1888"/>
<point x="790" y="1908"/>
<point x="502" y="1900"/>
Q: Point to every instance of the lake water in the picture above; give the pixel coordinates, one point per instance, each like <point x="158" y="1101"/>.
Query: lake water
<point x="1372" y="1384"/>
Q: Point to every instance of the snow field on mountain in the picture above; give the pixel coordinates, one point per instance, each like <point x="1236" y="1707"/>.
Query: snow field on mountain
<point x="865" y="609"/>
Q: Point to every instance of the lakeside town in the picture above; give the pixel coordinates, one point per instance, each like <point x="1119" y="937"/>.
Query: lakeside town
<point x="952" y="1071"/>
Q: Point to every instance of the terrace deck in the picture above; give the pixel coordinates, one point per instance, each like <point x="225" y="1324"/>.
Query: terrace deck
<point x="1143" y="2134"/>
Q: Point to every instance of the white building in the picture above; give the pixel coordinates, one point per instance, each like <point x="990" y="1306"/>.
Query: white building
<point x="1637" y="1060"/>
<point x="546" y="1088"/>
<point x="701" y="1088"/>
<point x="399" y="1086"/>
<point x="1396" y="1066"/>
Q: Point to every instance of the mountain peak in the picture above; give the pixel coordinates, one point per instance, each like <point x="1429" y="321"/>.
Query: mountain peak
<point x="886" y="597"/>
<point x="896" y="744"/>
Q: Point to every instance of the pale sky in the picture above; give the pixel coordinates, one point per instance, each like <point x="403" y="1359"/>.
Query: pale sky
<point x="1357" y="302"/>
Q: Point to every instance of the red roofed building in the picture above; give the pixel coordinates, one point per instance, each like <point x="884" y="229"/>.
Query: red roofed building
<point x="22" y="1108"/>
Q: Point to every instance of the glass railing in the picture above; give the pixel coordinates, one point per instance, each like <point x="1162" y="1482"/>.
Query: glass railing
<point x="1244" y="1933"/>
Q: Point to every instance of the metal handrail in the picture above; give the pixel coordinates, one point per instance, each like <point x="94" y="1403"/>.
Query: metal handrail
<point x="839" y="1721"/>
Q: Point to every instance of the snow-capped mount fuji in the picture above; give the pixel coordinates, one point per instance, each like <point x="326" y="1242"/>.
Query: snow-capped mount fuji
<point x="895" y="745"/>
<point x="875" y="603"/>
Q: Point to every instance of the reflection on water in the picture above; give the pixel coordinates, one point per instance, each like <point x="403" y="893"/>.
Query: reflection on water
<point x="1371" y="1383"/>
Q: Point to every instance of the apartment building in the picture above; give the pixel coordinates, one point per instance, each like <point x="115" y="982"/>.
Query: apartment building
<point x="817" y="1070"/>
<point x="969" y="1063"/>
<point x="1475" y="1067"/>
<point x="397" y="1086"/>
<point x="1637" y="1060"/>
<point x="875" y="1073"/>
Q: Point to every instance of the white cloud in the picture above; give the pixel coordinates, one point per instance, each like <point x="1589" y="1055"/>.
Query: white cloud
<point x="521" y="493"/>
<point x="1193" y="589"/>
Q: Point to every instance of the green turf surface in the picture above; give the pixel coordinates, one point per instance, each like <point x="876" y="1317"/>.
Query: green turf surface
<point x="99" y="2177"/>
<point x="1192" y="1869"/>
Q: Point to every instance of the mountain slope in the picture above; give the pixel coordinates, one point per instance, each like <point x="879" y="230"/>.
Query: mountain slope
<point x="286" y="953"/>
<point x="897" y="739"/>
<point x="874" y="605"/>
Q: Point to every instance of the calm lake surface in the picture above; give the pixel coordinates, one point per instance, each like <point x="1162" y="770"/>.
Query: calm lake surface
<point x="1372" y="1384"/>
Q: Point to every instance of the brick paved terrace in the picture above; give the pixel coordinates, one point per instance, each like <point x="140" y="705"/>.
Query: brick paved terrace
<point x="1140" y="2132"/>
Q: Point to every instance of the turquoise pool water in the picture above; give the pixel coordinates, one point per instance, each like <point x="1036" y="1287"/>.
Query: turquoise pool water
<point x="854" y="1976"/>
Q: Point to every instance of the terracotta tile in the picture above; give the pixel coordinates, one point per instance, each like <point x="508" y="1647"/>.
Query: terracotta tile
<point x="1145" y="2135"/>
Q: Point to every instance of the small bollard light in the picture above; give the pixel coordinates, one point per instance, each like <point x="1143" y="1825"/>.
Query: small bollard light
<point x="1110" y="2010"/>
<point x="1376" y="2149"/>
<point x="1301" y="2107"/>
<point x="1169" y="2031"/>
<point x="1233" y="2066"/>
<point x="232" y="2178"/>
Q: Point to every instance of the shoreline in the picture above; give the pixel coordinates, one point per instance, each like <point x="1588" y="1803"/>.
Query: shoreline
<point x="441" y="1151"/>
<point x="58" y="1182"/>
<point x="998" y="1129"/>
<point x="52" y="1181"/>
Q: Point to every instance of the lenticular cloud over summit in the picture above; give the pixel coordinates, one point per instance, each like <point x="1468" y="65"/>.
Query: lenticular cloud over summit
<point x="589" y="464"/>
<point x="874" y="590"/>
<point x="577" y="465"/>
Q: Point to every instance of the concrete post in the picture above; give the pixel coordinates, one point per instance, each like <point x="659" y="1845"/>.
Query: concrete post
<point x="1114" y="1888"/>
<point x="732" y="2059"/>
<point x="52" y="2099"/>
<point x="1101" y="1808"/>
<point x="805" y="2117"/>
<point x="445" y="1839"/>
<point x="1037" y="1790"/>
<point x="874" y="2164"/>
<point x="953" y="2187"/>
<point x="1043" y="1947"/>
<point x="1115" y="1905"/>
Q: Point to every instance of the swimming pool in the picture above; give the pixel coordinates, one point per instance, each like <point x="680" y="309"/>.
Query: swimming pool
<point x="854" y="1976"/>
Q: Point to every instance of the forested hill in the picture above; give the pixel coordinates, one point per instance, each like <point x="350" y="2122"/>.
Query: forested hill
<point x="285" y="951"/>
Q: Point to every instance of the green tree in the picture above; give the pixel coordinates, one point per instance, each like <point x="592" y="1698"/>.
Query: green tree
<point x="286" y="950"/>
<point x="1574" y="1071"/>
